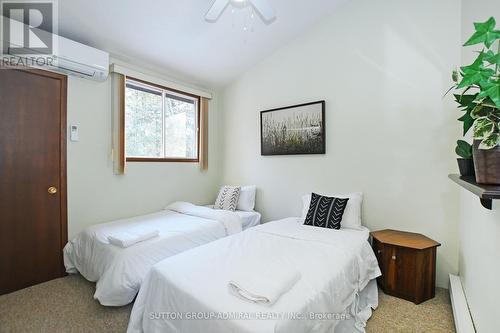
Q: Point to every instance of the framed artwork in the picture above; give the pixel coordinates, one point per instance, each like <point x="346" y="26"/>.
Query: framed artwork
<point x="293" y="130"/>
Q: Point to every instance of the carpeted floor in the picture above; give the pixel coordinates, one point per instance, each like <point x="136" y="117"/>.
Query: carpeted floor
<point x="395" y="315"/>
<point x="66" y="305"/>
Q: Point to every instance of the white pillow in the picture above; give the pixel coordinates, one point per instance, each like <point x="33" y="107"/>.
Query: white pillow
<point x="352" y="213"/>
<point x="246" y="200"/>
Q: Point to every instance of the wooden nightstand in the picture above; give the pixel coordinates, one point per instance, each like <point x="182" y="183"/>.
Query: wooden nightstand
<point x="408" y="264"/>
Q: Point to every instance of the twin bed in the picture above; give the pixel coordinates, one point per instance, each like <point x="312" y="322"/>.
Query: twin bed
<point x="193" y="276"/>
<point x="118" y="272"/>
<point x="336" y="290"/>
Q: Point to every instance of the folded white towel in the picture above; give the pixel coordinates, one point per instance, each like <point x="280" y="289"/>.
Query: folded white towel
<point x="132" y="236"/>
<point x="265" y="288"/>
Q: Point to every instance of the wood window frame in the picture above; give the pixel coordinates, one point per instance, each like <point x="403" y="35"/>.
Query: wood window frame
<point x="161" y="159"/>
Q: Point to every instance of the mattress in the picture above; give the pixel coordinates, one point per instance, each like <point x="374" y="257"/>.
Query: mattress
<point x="335" y="267"/>
<point x="118" y="272"/>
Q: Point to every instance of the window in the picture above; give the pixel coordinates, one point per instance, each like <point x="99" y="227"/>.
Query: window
<point x="160" y="124"/>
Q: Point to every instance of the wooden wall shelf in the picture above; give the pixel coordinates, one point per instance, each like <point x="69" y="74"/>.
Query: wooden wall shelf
<point x="486" y="193"/>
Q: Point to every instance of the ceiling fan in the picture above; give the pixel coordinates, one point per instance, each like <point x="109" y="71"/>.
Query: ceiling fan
<point x="261" y="6"/>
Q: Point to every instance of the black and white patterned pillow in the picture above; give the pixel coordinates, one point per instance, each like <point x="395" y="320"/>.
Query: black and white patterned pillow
<point x="227" y="198"/>
<point x="325" y="212"/>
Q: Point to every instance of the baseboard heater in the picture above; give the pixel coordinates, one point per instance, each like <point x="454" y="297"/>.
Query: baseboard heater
<point x="461" y="313"/>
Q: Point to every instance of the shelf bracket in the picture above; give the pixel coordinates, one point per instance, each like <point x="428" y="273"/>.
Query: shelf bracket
<point x="487" y="203"/>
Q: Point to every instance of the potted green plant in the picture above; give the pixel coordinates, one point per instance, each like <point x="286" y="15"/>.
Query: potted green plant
<point x="480" y="101"/>
<point x="465" y="162"/>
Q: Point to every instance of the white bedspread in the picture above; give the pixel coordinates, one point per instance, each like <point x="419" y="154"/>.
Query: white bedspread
<point x="249" y="219"/>
<point x="230" y="220"/>
<point x="335" y="265"/>
<point x="120" y="271"/>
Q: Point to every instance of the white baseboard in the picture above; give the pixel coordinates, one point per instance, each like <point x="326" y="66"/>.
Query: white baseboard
<point x="461" y="313"/>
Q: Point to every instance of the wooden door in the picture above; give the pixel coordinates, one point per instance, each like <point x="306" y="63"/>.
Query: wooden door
<point x="33" y="222"/>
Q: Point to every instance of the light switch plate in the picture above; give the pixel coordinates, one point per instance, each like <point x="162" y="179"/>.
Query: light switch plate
<point x="74" y="135"/>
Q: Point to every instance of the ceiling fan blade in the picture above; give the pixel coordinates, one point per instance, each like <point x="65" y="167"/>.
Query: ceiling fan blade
<point x="265" y="10"/>
<point x="216" y="10"/>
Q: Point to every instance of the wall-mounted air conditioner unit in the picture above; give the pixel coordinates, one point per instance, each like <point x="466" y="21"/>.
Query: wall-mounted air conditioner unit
<point x="68" y="57"/>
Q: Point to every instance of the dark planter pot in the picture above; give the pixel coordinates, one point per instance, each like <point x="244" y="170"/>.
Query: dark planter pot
<point x="486" y="164"/>
<point x="466" y="166"/>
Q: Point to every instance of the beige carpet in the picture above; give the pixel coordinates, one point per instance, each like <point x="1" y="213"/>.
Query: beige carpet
<point x="66" y="305"/>
<point x="397" y="315"/>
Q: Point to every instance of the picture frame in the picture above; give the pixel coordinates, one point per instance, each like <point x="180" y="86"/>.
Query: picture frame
<point x="293" y="130"/>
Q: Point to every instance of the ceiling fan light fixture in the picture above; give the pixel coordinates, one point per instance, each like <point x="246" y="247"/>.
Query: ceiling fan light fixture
<point x="261" y="6"/>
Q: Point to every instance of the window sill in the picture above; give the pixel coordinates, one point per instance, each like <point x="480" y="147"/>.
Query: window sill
<point x="152" y="159"/>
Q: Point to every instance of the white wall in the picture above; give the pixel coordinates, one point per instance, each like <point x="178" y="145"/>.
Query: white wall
<point x="96" y="195"/>
<point x="479" y="234"/>
<point x="479" y="260"/>
<point x="382" y="67"/>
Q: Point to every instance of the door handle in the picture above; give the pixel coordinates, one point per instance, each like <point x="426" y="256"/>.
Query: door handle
<point x="52" y="190"/>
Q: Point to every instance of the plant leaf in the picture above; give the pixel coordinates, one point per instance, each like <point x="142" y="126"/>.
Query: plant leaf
<point x="491" y="90"/>
<point x="477" y="77"/>
<point x="475" y="73"/>
<point x="466" y="101"/>
<point x="483" y="127"/>
<point x="485" y="26"/>
<point x="467" y="120"/>
<point x="477" y="112"/>
<point x="492" y="58"/>
<point x="485" y="33"/>
<point x="463" y="149"/>
<point x="476" y="65"/>
<point x="491" y="141"/>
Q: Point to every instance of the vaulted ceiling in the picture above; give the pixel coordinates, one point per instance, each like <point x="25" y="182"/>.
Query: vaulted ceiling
<point x="173" y="36"/>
